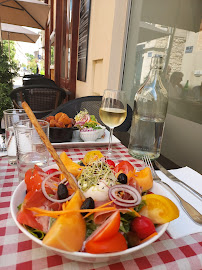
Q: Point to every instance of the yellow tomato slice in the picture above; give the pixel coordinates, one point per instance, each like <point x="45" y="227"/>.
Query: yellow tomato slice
<point x="159" y="209"/>
<point x="92" y="156"/>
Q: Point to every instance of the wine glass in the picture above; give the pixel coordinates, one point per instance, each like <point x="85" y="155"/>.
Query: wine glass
<point x="113" y="111"/>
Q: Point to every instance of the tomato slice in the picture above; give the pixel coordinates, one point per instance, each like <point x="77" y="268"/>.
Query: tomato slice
<point x="52" y="171"/>
<point x="110" y="163"/>
<point x="124" y="166"/>
<point x="143" y="227"/>
<point x="113" y="244"/>
<point x="159" y="209"/>
<point x="107" y="237"/>
<point x="33" y="179"/>
<point x="108" y="229"/>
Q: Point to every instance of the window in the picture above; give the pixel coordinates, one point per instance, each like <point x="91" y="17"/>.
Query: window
<point x="173" y="30"/>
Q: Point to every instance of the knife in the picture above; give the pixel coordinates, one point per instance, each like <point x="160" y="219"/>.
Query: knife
<point x="175" y="179"/>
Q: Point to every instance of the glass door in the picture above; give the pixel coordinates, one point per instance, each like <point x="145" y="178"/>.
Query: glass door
<point x="172" y="29"/>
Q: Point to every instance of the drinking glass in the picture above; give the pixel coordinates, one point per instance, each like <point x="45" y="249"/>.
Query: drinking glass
<point x="12" y="116"/>
<point x="113" y="111"/>
<point x="30" y="148"/>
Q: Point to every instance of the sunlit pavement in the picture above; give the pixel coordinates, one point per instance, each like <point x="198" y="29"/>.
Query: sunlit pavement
<point x="17" y="82"/>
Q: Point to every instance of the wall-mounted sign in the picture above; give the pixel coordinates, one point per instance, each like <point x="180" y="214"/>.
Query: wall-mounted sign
<point x="198" y="73"/>
<point x="189" y="49"/>
<point x="83" y="39"/>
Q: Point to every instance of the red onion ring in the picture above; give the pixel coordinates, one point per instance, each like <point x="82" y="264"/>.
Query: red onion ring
<point x="128" y="189"/>
<point x="44" y="189"/>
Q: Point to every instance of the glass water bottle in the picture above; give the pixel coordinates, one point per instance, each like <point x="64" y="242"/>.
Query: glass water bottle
<point x="150" y="109"/>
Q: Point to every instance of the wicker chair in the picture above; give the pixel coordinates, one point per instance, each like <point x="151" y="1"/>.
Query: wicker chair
<point x="42" y="99"/>
<point x="92" y="105"/>
<point x="33" y="76"/>
<point x="38" y="80"/>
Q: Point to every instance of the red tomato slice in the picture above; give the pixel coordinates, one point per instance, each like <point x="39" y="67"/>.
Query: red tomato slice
<point x="124" y="166"/>
<point x="52" y="171"/>
<point x="143" y="227"/>
<point x="110" y="163"/>
<point x="108" y="229"/>
<point x="33" y="179"/>
<point x="113" y="244"/>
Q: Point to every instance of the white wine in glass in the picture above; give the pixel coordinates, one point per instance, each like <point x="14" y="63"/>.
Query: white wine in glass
<point x="113" y="111"/>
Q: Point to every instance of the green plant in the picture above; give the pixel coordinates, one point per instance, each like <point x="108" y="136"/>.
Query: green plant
<point x="5" y="100"/>
<point x="32" y="62"/>
<point x="8" y="70"/>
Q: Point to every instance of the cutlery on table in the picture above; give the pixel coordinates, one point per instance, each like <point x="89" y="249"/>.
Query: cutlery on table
<point x="188" y="208"/>
<point x="175" y="179"/>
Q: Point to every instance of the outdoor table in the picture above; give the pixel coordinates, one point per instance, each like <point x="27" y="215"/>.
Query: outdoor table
<point x="18" y="252"/>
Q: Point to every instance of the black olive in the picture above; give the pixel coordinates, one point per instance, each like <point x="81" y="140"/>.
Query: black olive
<point x="122" y="178"/>
<point x="62" y="191"/>
<point x="88" y="204"/>
<point x="81" y="164"/>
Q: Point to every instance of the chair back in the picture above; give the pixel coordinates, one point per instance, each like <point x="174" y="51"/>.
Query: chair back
<point x="38" y="80"/>
<point x="42" y="99"/>
<point x="92" y="104"/>
<point x="32" y="75"/>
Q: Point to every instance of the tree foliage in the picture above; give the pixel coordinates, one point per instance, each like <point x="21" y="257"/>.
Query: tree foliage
<point x="8" y="70"/>
<point x="10" y="44"/>
<point x="32" y="62"/>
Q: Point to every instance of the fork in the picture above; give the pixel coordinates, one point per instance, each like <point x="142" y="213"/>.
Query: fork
<point x="188" y="208"/>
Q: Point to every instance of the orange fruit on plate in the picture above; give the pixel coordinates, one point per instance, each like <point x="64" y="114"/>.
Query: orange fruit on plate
<point x="92" y="156"/>
<point x="159" y="209"/>
<point x="144" y="178"/>
<point x="68" y="231"/>
<point x="71" y="166"/>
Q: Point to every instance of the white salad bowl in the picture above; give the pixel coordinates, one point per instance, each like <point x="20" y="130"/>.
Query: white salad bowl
<point x="18" y="198"/>
<point x="89" y="136"/>
<point x="101" y="131"/>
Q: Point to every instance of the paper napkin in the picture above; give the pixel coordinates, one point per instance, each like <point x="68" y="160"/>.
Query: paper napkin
<point x="183" y="225"/>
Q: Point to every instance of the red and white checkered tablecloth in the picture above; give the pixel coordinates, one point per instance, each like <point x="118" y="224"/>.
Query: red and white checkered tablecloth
<point x="18" y="252"/>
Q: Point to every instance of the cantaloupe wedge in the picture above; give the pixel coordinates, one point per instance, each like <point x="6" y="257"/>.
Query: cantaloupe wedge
<point x="71" y="166"/>
<point x="69" y="230"/>
<point x="144" y="178"/>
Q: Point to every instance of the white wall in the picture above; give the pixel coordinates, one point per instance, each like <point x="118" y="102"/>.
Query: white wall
<point x="105" y="49"/>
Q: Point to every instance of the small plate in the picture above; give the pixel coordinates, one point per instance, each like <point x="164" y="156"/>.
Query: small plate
<point x="77" y="141"/>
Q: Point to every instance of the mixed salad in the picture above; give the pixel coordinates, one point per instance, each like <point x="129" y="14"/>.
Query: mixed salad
<point x="116" y="211"/>
<point x="86" y="122"/>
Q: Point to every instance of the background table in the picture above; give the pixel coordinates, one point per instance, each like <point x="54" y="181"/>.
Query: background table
<point x="18" y="252"/>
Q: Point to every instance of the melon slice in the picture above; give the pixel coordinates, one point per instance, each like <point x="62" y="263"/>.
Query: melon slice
<point x="69" y="230"/>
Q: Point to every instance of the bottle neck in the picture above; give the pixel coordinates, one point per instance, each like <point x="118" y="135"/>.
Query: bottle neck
<point x="154" y="71"/>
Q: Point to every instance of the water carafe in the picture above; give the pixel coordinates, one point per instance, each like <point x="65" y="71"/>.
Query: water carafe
<point x="150" y="108"/>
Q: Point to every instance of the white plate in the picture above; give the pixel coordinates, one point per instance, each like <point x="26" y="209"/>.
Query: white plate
<point x="18" y="197"/>
<point x="77" y="142"/>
